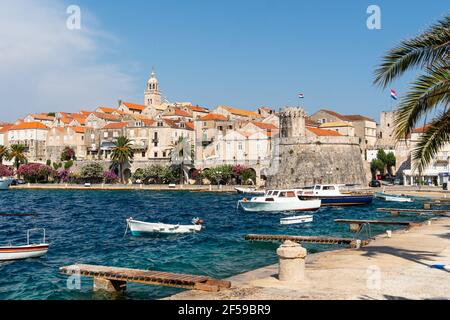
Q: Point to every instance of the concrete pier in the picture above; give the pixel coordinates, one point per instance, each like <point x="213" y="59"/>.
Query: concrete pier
<point x="388" y="268"/>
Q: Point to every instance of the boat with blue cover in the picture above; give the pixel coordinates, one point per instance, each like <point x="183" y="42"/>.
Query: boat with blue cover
<point x="331" y="195"/>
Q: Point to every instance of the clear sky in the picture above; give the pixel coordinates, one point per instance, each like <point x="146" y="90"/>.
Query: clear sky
<point x="210" y="52"/>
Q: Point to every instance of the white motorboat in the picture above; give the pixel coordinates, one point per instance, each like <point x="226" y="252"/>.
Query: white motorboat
<point x="296" y="219"/>
<point x="279" y="200"/>
<point x="5" y="182"/>
<point x="8" y="253"/>
<point x="249" y="190"/>
<point x="138" y="227"/>
<point x="331" y="195"/>
<point x="393" y="197"/>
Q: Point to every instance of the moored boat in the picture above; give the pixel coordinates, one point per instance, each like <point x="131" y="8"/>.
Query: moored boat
<point x="9" y="253"/>
<point x="249" y="190"/>
<point x="393" y="197"/>
<point x="5" y="182"/>
<point x="139" y="227"/>
<point x="279" y="200"/>
<point x="296" y="219"/>
<point x="331" y="195"/>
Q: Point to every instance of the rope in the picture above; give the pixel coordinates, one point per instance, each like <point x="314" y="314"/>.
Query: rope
<point x="126" y="230"/>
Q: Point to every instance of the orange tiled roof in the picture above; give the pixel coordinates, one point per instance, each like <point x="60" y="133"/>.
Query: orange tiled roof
<point x="6" y="128"/>
<point x="79" y="129"/>
<point x="214" y="116"/>
<point x="180" y="112"/>
<point x="198" y="109"/>
<point x="29" y="125"/>
<point x="134" y="106"/>
<point x="350" y="117"/>
<point x="148" y="122"/>
<point x="105" y="109"/>
<point x="263" y="125"/>
<point x="422" y="129"/>
<point x="42" y="116"/>
<point x="241" y="112"/>
<point x="116" y="125"/>
<point x="323" y="132"/>
<point x="190" y="125"/>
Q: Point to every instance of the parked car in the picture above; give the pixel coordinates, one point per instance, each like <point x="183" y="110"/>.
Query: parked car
<point x="398" y="181"/>
<point x="16" y="182"/>
<point x="375" y="184"/>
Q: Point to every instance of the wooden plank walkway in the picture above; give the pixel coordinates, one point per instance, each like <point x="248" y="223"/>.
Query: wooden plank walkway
<point x="418" y="211"/>
<point x="305" y="239"/>
<point x="150" y="277"/>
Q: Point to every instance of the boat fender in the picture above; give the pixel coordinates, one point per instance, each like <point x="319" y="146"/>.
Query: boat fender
<point x="245" y="200"/>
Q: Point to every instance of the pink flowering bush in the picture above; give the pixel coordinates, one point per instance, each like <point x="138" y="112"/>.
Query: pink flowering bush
<point x="110" y="176"/>
<point x="35" y="172"/>
<point x="6" y="171"/>
<point x="63" y="175"/>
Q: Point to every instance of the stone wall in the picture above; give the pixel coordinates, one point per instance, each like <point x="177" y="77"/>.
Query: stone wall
<point x="304" y="161"/>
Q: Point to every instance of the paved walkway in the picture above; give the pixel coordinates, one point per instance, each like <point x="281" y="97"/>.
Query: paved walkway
<point x="388" y="268"/>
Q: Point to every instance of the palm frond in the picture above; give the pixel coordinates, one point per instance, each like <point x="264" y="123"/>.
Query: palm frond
<point x="434" y="137"/>
<point x="423" y="50"/>
<point x="427" y="92"/>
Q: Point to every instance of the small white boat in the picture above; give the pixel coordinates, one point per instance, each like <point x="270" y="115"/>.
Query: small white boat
<point x="393" y="197"/>
<point x="296" y="219"/>
<point x="8" y="253"/>
<point x="138" y="227"/>
<point x="249" y="190"/>
<point x="279" y="200"/>
<point x="5" y="182"/>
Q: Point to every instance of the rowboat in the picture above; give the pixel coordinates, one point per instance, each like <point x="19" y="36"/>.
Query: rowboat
<point x="8" y="253"/>
<point x="296" y="219"/>
<point x="249" y="190"/>
<point x="279" y="200"/>
<point x="5" y="182"/>
<point x="331" y="195"/>
<point x="393" y="197"/>
<point x="138" y="227"/>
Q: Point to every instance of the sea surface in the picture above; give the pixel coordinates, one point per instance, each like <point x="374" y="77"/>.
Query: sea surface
<point x="88" y="226"/>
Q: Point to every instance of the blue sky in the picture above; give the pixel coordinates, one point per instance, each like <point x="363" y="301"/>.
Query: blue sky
<point x="240" y="53"/>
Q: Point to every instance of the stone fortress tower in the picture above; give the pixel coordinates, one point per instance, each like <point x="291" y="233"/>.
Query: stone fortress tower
<point x="152" y="95"/>
<point x="304" y="158"/>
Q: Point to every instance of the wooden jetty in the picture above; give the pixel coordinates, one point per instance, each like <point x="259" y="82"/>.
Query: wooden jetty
<point x="114" y="279"/>
<point x="356" y="225"/>
<point x="354" y="243"/>
<point x="397" y="211"/>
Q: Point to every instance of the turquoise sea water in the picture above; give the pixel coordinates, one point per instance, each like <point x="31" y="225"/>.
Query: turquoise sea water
<point x="87" y="226"/>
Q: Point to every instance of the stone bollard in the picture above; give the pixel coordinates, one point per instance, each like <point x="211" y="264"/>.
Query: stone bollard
<point x="291" y="265"/>
<point x="427" y="205"/>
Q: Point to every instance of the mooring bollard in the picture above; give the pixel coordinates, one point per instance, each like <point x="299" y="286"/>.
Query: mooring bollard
<point x="427" y="205"/>
<point x="291" y="265"/>
<point x="389" y="233"/>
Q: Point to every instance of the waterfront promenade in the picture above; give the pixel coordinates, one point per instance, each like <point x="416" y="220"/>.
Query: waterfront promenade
<point x="388" y="268"/>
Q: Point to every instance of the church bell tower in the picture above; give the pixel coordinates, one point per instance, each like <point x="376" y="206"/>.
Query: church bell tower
<point x="152" y="95"/>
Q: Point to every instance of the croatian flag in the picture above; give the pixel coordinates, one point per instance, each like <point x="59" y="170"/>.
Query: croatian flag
<point x="301" y="95"/>
<point x="394" y="94"/>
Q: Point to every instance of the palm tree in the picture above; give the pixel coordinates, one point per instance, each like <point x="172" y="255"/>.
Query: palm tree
<point x="17" y="153"/>
<point x="3" y="153"/>
<point x="429" y="51"/>
<point x="122" y="154"/>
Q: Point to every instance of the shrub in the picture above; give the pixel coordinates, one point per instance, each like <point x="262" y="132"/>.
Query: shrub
<point x="110" y="176"/>
<point x="68" y="164"/>
<point x="92" y="172"/>
<point x="67" y="154"/>
<point x="63" y="175"/>
<point x="248" y="175"/>
<point x="6" y="171"/>
<point x="35" y="172"/>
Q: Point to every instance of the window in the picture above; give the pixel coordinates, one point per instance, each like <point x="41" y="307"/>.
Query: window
<point x="282" y="194"/>
<point x="143" y="154"/>
<point x="105" y="134"/>
<point x="155" y="154"/>
<point x="328" y="187"/>
<point x="115" y="134"/>
<point x="240" y="146"/>
<point x="164" y="154"/>
<point x="205" y="124"/>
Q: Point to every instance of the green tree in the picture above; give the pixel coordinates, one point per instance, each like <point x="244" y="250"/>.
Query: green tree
<point x="122" y="154"/>
<point x="430" y="52"/>
<point x="17" y="153"/>
<point x="4" y="152"/>
<point x="68" y="164"/>
<point x="390" y="162"/>
<point x="376" y="165"/>
<point x="92" y="172"/>
<point x="248" y="175"/>
<point x="68" y="154"/>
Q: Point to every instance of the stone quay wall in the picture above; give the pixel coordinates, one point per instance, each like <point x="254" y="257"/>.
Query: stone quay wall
<point x="304" y="161"/>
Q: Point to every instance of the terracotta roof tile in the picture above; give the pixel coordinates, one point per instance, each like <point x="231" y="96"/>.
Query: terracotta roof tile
<point x="214" y="116"/>
<point x="323" y="132"/>
<point x="134" y="106"/>
<point x="263" y="125"/>
<point x="241" y="112"/>
<point x="29" y="125"/>
<point x="116" y="125"/>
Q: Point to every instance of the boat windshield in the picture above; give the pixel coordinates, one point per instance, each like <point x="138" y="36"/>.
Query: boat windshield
<point x="317" y="187"/>
<point x="275" y="193"/>
<point x="328" y="188"/>
<point x="269" y="193"/>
